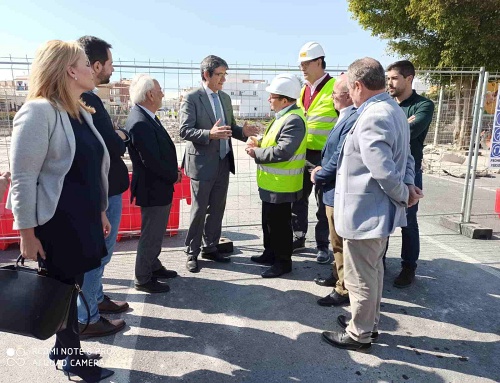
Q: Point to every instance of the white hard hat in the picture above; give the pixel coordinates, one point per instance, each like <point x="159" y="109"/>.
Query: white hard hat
<point x="285" y="85"/>
<point x="310" y="51"/>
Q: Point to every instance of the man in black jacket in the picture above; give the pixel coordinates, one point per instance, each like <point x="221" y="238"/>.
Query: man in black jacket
<point x="155" y="172"/>
<point x="99" y="54"/>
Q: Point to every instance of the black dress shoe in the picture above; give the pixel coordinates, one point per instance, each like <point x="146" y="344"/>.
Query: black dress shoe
<point x="330" y="281"/>
<point x="278" y="269"/>
<point x="192" y="264"/>
<point x="343" y="321"/>
<point x="88" y="371"/>
<point x="344" y="341"/>
<point x="333" y="299"/>
<point x="299" y="243"/>
<point x="215" y="256"/>
<point x="264" y="259"/>
<point x="405" y="278"/>
<point x="164" y="273"/>
<point x="153" y="286"/>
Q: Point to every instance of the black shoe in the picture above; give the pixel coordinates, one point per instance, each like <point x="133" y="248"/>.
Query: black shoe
<point x="333" y="299"/>
<point x="263" y="259"/>
<point x="344" y="341"/>
<point x="405" y="278"/>
<point x="299" y="243"/>
<point x="343" y="322"/>
<point x="278" y="269"/>
<point x="329" y="281"/>
<point x="192" y="264"/>
<point x="215" y="256"/>
<point x="164" y="273"/>
<point x="86" y="370"/>
<point x="153" y="286"/>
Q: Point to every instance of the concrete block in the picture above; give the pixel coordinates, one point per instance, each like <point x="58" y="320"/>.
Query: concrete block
<point x="476" y="231"/>
<point x="225" y="245"/>
<point x="450" y="223"/>
<point x="471" y="230"/>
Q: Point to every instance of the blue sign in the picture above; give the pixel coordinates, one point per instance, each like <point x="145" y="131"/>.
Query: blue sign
<point x="495" y="137"/>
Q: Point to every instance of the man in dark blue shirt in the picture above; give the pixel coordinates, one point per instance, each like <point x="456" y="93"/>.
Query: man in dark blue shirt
<point x="419" y="111"/>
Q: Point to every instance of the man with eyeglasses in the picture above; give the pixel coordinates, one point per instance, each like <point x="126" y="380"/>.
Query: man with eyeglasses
<point x="315" y="100"/>
<point x="207" y="124"/>
<point x="325" y="176"/>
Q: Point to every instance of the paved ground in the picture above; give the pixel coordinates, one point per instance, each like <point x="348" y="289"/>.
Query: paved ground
<point x="226" y="324"/>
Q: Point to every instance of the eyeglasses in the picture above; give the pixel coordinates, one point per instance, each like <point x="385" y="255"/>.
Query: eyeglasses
<point x="275" y="97"/>
<point x="221" y="75"/>
<point x="305" y="64"/>
<point x="338" y="93"/>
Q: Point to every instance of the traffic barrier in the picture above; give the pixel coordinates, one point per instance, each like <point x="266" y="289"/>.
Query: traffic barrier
<point x="497" y="203"/>
<point x="130" y="224"/>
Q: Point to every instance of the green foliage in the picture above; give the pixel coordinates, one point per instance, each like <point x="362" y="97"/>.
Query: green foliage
<point x="435" y="33"/>
<point x="7" y="116"/>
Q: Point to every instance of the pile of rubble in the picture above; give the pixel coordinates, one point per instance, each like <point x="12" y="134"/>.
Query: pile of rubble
<point x="444" y="159"/>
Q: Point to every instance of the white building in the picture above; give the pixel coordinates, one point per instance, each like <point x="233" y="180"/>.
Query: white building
<point x="249" y="98"/>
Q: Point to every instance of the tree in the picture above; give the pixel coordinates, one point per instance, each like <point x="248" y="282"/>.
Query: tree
<point x="451" y="34"/>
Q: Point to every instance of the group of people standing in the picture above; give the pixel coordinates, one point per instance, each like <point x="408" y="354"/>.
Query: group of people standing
<point x="362" y="154"/>
<point x="68" y="177"/>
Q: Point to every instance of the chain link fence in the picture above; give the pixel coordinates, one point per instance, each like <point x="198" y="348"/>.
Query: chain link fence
<point x="457" y="96"/>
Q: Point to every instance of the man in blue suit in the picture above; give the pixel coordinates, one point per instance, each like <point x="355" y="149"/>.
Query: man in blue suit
<point x="325" y="176"/>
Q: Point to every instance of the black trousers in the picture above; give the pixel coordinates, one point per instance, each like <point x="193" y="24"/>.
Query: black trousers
<point x="277" y="229"/>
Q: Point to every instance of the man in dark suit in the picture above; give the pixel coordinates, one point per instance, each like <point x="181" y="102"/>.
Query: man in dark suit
<point x="207" y="124"/>
<point x="154" y="174"/>
<point x="325" y="176"/>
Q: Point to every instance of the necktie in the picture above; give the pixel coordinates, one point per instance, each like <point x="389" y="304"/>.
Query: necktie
<point x="224" y="144"/>
<point x="158" y="121"/>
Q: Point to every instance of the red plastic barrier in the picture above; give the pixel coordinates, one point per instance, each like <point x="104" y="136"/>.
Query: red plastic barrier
<point x="131" y="215"/>
<point x="8" y="235"/>
<point x="497" y="203"/>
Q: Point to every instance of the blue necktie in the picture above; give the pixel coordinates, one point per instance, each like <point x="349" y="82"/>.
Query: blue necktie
<point x="224" y="144"/>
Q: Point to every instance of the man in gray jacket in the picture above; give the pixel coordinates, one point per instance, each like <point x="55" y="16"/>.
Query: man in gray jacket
<point x="280" y="158"/>
<point x="375" y="184"/>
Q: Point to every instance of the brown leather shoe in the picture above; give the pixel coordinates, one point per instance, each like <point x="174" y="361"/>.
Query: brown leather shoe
<point x="107" y="306"/>
<point x="103" y="327"/>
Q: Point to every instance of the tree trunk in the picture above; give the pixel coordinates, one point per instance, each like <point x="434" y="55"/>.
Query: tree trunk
<point x="464" y="93"/>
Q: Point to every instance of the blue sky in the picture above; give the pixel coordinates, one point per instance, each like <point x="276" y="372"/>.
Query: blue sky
<point x="254" y="31"/>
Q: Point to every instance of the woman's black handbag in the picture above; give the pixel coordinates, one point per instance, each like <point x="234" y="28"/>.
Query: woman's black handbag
<point x="33" y="304"/>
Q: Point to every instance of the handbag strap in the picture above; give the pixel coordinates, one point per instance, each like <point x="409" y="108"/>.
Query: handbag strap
<point x="80" y="293"/>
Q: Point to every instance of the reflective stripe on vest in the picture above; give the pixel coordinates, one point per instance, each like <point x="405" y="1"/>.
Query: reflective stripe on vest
<point x="321" y="116"/>
<point x="286" y="176"/>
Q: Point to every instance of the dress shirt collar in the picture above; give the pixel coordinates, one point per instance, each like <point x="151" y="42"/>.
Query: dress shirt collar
<point x="283" y="111"/>
<point x="344" y="112"/>
<point x="151" y="114"/>
<point x="316" y="83"/>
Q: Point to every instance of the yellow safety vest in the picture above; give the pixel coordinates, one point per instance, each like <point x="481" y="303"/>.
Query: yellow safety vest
<point x="287" y="176"/>
<point x="321" y="116"/>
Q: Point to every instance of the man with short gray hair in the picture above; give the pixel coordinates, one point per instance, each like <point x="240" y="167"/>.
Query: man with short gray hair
<point x="207" y="124"/>
<point x="375" y="184"/>
<point x="155" y="172"/>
